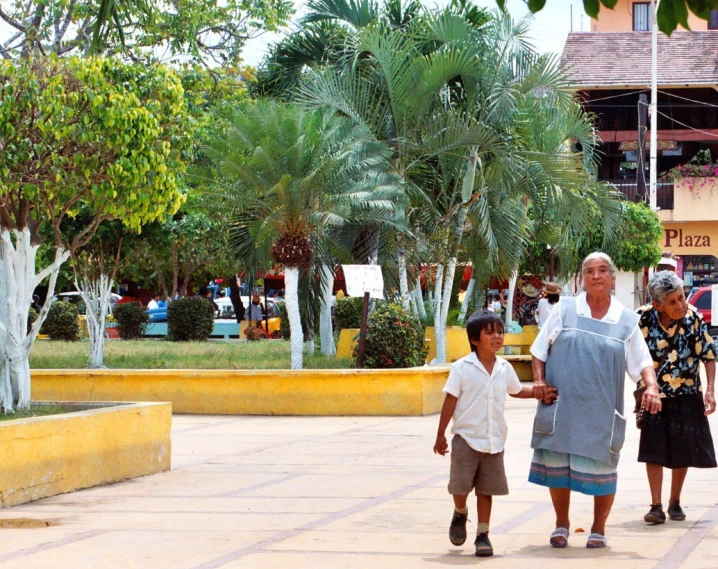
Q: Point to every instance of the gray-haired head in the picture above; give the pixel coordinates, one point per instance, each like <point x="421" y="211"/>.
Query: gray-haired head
<point x="598" y="255"/>
<point x="663" y="283"/>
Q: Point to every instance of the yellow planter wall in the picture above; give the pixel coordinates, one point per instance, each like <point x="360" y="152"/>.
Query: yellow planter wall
<point x="457" y="343"/>
<point x="402" y="392"/>
<point x="56" y="454"/>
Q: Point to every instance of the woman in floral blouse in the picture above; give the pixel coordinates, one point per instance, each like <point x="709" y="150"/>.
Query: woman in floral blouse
<point x="679" y="436"/>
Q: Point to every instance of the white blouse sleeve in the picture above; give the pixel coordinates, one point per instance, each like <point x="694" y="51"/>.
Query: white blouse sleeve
<point x="638" y="356"/>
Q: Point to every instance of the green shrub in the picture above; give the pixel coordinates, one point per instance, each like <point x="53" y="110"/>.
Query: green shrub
<point x="347" y="312"/>
<point x="131" y="320"/>
<point x="31" y="317"/>
<point x="394" y="339"/>
<point x="62" y="322"/>
<point x="190" y="319"/>
<point x="284" y="332"/>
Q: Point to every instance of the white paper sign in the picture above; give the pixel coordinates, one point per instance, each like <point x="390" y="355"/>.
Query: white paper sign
<point x="364" y="278"/>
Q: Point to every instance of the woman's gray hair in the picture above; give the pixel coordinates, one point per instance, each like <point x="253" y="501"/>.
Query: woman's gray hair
<point x="598" y="255"/>
<point x="662" y="284"/>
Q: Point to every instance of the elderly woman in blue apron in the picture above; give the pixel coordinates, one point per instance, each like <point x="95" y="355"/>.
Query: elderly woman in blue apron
<point x="584" y="350"/>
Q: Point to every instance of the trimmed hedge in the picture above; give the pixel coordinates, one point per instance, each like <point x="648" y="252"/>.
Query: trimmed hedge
<point x="131" y="320"/>
<point x="190" y="319"/>
<point x="62" y="322"/>
<point x="394" y="339"/>
<point x="347" y="312"/>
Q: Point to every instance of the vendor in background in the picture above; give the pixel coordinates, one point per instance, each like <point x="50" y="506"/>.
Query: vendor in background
<point x="546" y="305"/>
<point x="667" y="263"/>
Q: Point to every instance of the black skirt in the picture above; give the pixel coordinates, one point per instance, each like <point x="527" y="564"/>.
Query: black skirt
<point x="679" y="436"/>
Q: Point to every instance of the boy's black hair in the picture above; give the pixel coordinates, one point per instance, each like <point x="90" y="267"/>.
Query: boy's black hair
<point x="480" y="321"/>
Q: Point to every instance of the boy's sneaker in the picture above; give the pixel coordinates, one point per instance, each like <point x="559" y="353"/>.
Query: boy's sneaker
<point x="675" y="512"/>
<point x="457" y="529"/>
<point x="483" y="545"/>
<point x="655" y="515"/>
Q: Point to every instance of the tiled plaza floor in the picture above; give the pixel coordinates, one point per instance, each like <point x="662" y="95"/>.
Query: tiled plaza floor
<point x="347" y="492"/>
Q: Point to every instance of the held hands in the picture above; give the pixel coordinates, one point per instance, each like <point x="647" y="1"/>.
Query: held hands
<point x="441" y="446"/>
<point x="651" y="400"/>
<point x="710" y="402"/>
<point x="544" y="392"/>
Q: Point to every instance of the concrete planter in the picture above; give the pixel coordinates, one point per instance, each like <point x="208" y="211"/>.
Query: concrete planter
<point x="99" y="444"/>
<point x="398" y="392"/>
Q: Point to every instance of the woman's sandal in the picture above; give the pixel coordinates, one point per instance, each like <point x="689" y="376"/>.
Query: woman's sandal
<point x="559" y="538"/>
<point x="596" y="540"/>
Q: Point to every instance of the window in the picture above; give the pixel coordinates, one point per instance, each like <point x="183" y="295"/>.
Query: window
<point x="642" y="16"/>
<point x="713" y="20"/>
<point x="704" y="300"/>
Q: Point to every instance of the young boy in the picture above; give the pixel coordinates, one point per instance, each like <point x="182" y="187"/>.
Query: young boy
<point x="475" y="396"/>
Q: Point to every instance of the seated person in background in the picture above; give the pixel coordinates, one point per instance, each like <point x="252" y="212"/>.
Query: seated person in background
<point x="155" y="302"/>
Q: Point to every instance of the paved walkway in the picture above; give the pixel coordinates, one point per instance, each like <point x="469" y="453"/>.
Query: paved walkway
<point x="347" y="492"/>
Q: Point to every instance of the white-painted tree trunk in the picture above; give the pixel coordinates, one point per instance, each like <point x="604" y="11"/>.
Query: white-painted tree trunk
<point x="96" y="296"/>
<point x="467" y="297"/>
<point x="17" y="283"/>
<point x="296" y="337"/>
<point x="326" y="334"/>
<point x="508" y="317"/>
<point x="403" y="280"/>
<point x="419" y="299"/>
<point x="439" y="330"/>
<point x="467" y="192"/>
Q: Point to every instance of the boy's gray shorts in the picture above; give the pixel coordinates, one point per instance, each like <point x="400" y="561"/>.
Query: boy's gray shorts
<point x="473" y="469"/>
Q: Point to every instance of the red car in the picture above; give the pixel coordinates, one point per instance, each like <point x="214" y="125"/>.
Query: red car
<point x="701" y="299"/>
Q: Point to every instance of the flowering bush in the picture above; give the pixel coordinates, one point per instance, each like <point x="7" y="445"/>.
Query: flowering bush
<point x="394" y="339"/>
<point x="695" y="171"/>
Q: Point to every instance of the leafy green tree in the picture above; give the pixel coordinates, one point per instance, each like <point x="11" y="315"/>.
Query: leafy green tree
<point x="140" y="30"/>
<point x="670" y="13"/>
<point x="77" y="133"/>
<point x="285" y="175"/>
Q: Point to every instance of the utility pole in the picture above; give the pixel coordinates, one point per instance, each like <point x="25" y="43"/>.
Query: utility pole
<point x="641" y="148"/>
<point x="654" y="105"/>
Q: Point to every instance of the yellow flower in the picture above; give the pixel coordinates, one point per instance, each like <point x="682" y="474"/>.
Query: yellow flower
<point x="689" y="360"/>
<point x="660" y="344"/>
<point x="645" y="332"/>
<point x="673" y="356"/>
<point x="666" y="378"/>
<point x="655" y="365"/>
<point x="676" y="382"/>
<point x="699" y="347"/>
<point x="689" y="382"/>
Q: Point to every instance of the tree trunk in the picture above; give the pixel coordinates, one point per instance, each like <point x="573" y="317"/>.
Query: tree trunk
<point x="467" y="297"/>
<point x="508" y="317"/>
<point x="291" y="283"/>
<point x="96" y="295"/>
<point x="439" y="330"/>
<point x="326" y="334"/>
<point x="467" y="191"/>
<point x="403" y="281"/>
<point x="419" y="299"/>
<point x="17" y="283"/>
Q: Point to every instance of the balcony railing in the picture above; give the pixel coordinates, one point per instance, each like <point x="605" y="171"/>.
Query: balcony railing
<point x="629" y="188"/>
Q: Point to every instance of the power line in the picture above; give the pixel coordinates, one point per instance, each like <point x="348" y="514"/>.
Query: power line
<point x="590" y="101"/>
<point x="687" y="99"/>
<point x="686" y="126"/>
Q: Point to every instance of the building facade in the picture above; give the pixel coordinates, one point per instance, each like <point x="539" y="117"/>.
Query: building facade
<point x="610" y="67"/>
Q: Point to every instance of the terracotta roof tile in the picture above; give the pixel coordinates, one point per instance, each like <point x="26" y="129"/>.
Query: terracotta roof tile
<point x="601" y="59"/>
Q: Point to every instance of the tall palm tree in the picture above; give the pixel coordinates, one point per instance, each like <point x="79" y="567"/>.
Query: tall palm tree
<point x="287" y="176"/>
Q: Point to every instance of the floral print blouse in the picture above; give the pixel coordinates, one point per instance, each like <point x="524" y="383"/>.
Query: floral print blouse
<point x="677" y="350"/>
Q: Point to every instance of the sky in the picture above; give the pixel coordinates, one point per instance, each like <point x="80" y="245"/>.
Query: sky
<point x="549" y="28"/>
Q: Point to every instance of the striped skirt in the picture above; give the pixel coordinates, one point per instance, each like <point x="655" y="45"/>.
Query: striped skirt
<point x="578" y="473"/>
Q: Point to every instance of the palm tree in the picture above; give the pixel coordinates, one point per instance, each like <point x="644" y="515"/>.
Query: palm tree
<point x="287" y="176"/>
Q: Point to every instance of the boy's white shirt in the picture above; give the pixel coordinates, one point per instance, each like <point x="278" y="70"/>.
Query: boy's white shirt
<point x="479" y="414"/>
<point x="638" y="356"/>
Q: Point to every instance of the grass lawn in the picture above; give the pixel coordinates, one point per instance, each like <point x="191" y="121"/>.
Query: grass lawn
<point x="35" y="411"/>
<point x="159" y="354"/>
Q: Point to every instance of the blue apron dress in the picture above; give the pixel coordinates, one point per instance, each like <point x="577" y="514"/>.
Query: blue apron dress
<point x="587" y="364"/>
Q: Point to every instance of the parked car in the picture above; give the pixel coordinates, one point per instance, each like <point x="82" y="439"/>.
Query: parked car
<point x="702" y="300"/>
<point x="75" y="298"/>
